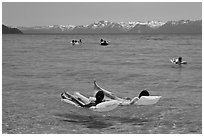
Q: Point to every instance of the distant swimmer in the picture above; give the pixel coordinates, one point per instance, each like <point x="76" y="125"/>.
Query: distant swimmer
<point x="74" y="42"/>
<point x="104" y="42"/>
<point x="178" y="61"/>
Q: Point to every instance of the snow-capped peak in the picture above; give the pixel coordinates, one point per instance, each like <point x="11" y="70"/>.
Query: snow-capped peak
<point x="155" y="23"/>
<point x="100" y="24"/>
<point x="152" y="24"/>
<point x="128" y="25"/>
<point x="179" y="22"/>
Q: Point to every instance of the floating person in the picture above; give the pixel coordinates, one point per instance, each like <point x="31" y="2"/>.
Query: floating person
<point x="100" y="104"/>
<point x="178" y="61"/>
<point x="103" y="42"/>
<point x="124" y="101"/>
<point x="82" y="101"/>
<point x="75" y="42"/>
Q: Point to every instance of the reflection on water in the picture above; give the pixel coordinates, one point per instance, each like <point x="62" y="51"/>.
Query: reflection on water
<point x="100" y="122"/>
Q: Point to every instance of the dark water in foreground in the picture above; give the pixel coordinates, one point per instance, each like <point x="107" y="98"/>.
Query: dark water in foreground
<point x="37" y="68"/>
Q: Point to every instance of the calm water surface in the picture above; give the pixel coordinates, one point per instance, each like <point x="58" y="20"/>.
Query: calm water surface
<point x="37" y="68"/>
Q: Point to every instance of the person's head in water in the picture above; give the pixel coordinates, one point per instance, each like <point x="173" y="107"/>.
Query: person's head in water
<point x="180" y="59"/>
<point x="99" y="96"/>
<point x="144" y="93"/>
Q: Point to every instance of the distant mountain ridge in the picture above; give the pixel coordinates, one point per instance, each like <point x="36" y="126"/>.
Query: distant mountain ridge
<point x="9" y="30"/>
<point x="106" y="27"/>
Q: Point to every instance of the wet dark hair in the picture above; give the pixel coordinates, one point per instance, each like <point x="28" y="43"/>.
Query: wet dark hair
<point x="180" y="58"/>
<point x="144" y="93"/>
<point x="99" y="96"/>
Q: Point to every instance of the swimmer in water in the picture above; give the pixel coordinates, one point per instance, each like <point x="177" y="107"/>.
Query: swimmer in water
<point x="114" y="97"/>
<point x="98" y="99"/>
<point x="179" y="60"/>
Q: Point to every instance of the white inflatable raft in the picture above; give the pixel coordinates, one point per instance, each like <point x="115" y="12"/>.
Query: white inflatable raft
<point x="106" y="106"/>
<point x="148" y="100"/>
<point x="109" y="105"/>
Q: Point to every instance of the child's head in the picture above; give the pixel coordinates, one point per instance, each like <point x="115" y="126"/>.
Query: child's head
<point x="180" y="58"/>
<point x="99" y="96"/>
<point x="144" y="93"/>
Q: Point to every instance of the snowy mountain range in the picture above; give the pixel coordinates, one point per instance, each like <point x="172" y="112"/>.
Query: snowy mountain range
<point x="106" y="27"/>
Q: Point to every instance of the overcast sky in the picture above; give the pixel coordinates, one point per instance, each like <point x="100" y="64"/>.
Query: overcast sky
<point x="84" y="13"/>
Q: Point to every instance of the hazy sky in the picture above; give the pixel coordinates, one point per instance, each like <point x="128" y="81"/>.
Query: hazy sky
<point x="84" y="13"/>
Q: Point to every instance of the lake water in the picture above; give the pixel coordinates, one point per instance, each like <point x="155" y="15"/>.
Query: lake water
<point x="37" y="68"/>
